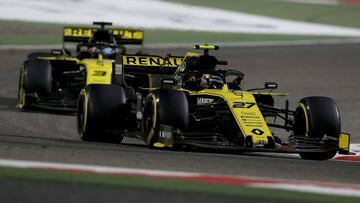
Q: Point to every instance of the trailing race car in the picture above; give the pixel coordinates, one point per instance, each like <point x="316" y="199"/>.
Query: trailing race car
<point x="204" y="105"/>
<point x="53" y="80"/>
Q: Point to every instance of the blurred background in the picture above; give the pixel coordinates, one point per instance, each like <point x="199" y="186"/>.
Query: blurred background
<point x="186" y="21"/>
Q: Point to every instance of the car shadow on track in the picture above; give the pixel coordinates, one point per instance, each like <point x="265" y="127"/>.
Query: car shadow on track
<point x="192" y="149"/>
<point x="67" y="144"/>
<point x="48" y="111"/>
<point x="8" y="104"/>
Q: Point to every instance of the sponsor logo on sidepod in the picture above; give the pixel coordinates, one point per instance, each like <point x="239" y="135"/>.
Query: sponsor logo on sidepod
<point x="203" y="101"/>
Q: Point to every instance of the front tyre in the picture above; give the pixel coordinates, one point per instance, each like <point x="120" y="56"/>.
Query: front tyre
<point x="165" y="107"/>
<point x="315" y="118"/>
<point x="35" y="79"/>
<point x="102" y="113"/>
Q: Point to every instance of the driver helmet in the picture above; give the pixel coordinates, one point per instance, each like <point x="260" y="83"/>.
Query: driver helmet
<point x="209" y="81"/>
<point x="107" y="52"/>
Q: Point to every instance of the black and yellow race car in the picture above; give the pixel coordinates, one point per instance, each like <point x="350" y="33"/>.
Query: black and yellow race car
<point x="201" y="104"/>
<point x="53" y="80"/>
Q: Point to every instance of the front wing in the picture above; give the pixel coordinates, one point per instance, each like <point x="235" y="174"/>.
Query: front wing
<point x="295" y="144"/>
<point x="49" y="103"/>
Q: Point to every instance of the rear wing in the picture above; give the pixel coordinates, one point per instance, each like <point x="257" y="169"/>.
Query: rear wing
<point x="121" y="36"/>
<point x="127" y="36"/>
<point x="77" y="34"/>
<point x="147" y="64"/>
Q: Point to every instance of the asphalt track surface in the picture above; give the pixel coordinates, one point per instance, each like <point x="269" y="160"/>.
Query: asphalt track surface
<point x="327" y="70"/>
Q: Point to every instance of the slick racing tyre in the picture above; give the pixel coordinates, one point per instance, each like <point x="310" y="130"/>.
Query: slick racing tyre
<point x="34" y="55"/>
<point x="315" y="118"/>
<point x="102" y="113"/>
<point x="165" y="107"/>
<point x="35" y="78"/>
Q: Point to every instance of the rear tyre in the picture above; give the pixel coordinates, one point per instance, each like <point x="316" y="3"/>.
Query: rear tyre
<point x="102" y="113"/>
<point x="165" y="107"/>
<point x="316" y="117"/>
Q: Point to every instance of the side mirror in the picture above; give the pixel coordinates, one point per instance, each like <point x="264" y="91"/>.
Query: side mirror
<point x="57" y="52"/>
<point x="271" y="85"/>
<point x="168" y="81"/>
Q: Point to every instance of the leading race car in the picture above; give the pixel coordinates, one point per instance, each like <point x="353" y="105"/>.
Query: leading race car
<point x="53" y="80"/>
<point x="201" y="104"/>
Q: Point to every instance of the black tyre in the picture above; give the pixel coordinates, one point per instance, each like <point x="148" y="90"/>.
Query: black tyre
<point x="167" y="107"/>
<point x="35" y="77"/>
<point x="34" y="55"/>
<point x="102" y="113"/>
<point x="316" y="117"/>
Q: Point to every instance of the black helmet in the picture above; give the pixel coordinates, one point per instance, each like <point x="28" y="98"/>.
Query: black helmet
<point x="211" y="81"/>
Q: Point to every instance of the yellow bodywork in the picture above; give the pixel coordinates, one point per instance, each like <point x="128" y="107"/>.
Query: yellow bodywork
<point x="78" y="32"/>
<point x="206" y="47"/>
<point x="87" y="32"/>
<point x="98" y="70"/>
<point x="344" y="141"/>
<point x="151" y="61"/>
<point x="127" y="34"/>
<point x="247" y="114"/>
<point x="159" y="145"/>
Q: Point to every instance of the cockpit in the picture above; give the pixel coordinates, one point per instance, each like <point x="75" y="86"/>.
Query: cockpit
<point x="198" y="80"/>
<point x="102" y="42"/>
<point x="200" y="72"/>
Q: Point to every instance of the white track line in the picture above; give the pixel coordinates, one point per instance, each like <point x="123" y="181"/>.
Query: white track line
<point x="314" y="189"/>
<point x="293" y="185"/>
<point x="323" y="2"/>
<point x="354" y="148"/>
<point x="162" y="14"/>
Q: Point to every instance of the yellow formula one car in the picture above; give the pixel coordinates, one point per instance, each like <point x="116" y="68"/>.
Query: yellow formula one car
<point x="204" y="105"/>
<point x="53" y="80"/>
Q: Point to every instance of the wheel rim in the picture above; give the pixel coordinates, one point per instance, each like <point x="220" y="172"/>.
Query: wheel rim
<point x="149" y="122"/>
<point x="21" y="93"/>
<point x="301" y="129"/>
<point x="300" y="123"/>
<point x="82" y="114"/>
